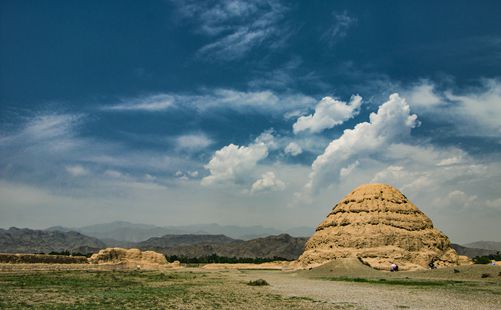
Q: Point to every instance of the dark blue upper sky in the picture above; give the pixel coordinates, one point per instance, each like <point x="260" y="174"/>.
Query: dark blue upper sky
<point x="92" y="51"/>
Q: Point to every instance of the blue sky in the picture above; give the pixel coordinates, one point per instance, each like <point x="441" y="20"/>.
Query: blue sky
<point x="259" y="112"/>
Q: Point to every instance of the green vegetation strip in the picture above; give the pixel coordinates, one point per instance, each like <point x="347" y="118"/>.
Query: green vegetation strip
<point x="136" y="290"/>
<point x="409" y="282"/>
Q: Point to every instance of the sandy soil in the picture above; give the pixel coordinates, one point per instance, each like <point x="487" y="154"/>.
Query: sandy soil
<point x="327" y="287"/>
<point x="377" y="296"/>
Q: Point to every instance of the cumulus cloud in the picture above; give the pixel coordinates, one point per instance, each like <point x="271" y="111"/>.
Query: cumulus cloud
<point x="293" y="149"/>
<point x="76" y="170"/>
<point x="392" y="123"/>
<point x="148" y="104"/>
<point x="233" y="163"/>
<point x="268" y="139"/>
<point x="193" y="142"/>
<point x="268" y="182"/>
<point x="329" y="112"/>
<point x="348" y="169"/>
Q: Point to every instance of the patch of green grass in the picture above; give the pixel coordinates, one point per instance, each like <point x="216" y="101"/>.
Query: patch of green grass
<point x="91" y="289"/>
<point x="409" y="282"/>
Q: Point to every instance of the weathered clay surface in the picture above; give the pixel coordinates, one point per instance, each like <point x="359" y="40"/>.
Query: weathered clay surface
<point x="379" y="225"/>
<point x="127" y="256"/>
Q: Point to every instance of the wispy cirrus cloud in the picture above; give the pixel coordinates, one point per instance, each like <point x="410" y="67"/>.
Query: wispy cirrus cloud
<point x="76" y="170"/>
<point x="339" y="28"/>
<point x="193" y="142"/>
<point x="153" y="103"/>
<point x="472" y="112"/>
<point x="235" y="27"/>
<point x="264" y="101"/>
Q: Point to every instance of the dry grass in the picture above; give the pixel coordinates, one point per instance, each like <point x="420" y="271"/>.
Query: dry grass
<point x="344" y="285"/>
<point x="93" y="289"/>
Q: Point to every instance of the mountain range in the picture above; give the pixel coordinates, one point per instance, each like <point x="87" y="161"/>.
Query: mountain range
<point x="282" y="245"/>
<point x="24" y="240"/>
<point x="131" y="232"/>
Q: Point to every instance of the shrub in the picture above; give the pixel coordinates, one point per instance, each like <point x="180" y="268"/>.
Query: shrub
<point x="214" y="258"/>
<point x="481" y="260"/>
<point x="485" y="275"/>
<point x="258" y="282"/>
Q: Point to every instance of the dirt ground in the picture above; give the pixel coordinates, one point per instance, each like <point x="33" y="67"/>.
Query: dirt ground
<point x="343" y="285"/>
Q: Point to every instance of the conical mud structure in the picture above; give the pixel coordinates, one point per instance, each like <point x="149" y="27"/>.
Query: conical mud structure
<point x="378" y="225"/>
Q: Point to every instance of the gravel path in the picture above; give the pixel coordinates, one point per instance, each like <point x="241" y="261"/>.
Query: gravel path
<point x="376" y="296"/>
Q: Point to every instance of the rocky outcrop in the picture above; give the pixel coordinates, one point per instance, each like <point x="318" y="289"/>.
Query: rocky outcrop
<point x="377" y="224"/>
<point x="133" y="257"/>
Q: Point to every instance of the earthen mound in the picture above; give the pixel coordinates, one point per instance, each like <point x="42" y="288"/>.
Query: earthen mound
<point x="127" y="256"/>
<point x="377" y="224"/>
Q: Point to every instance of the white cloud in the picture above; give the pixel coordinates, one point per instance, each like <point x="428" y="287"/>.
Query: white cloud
<point x="76" y="170"/>
<point x="193" y="142"/>
<point x="235" y="27"/>
<point x="329" y="112"/>
<point x="423" y="96"/>
<point x="293" y="149"/>
<point x="392" y="123"/>
<point x="339" y="28"/>
<point x="113" y="173"/>
<point x="267" y="139"/>
<point x="148" y="104"/>
<point x="458" y="200"/>
<point x="481" y="109"/>
<point x="450" y="161"/>
<point x="494" y="204"/>
<point x="268" y="182"/>
<point x="473" y="112"/>
<point x="344" y="172"/>
<point x="233" y="163"/>
<point x="263" y="101"/>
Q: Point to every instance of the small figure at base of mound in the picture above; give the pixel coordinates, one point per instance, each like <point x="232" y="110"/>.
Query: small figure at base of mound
<point x="394" y="267"/>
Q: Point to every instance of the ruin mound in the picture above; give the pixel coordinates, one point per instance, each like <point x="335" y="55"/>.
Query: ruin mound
<point x="133" y="257"/>
<point x="379" y="225"/>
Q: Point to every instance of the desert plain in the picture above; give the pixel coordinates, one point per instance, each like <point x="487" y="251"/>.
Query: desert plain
<point x="344" y="284"/>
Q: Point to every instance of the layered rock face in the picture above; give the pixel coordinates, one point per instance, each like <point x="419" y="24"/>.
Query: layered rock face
<point x="380" y="226"/>
<point x="127" y="256"/>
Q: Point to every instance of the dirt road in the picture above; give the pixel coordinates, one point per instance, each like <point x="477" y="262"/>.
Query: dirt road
<point x="379" y="296"/>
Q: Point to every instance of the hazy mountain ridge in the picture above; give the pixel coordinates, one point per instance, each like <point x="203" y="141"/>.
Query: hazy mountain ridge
<point x="282" y="245"/>
<point x="24" y="240"/>
<point x="131" y="232"/>
<point x="488" y="245"/>
<point x="472" y="252"/>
